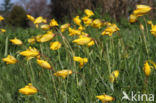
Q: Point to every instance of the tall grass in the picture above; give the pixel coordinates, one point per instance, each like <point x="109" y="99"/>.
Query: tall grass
<point x="124" y="51"/>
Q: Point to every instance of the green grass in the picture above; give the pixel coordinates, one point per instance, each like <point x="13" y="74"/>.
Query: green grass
<point x="125" y="51"/>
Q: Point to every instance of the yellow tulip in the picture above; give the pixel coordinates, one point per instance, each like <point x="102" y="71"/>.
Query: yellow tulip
<point x="77" y="20"/>
<point x="38" y="20"/>
<point x="91" y="43"/>
<point x="46" y="37"/>
<point x="28" y="90"/>
<point x="31" y="18"/>
<point x="2" y="30"/>
<point x="10" y="59"/>
<point x="16" y="41"/>
<point x="149" y="22"/>
<point x="110" y="30"/>
<point x="45" y="27"/>
<point x="1" y="18"/>
<point x="87" y="21"/>
<point x="97" y="23"/>
<point x="31" y="40"/>
<point x="55" y="45"/>
<point x="64" y="27"/>
<point x="147" y="69"/>
<point x="53" y="23"/>
<point x="73" y="32"/>
<point x="105" y="98"/>
<point x="82" y="40"/>
<point x="88" y="12"/>
<point x="114" y="75"/>
<point x="82" y="61"/>
<point x="44" y="64"/>
<point x="133" y="18"/>
<point x="153" y="30"/>
<point x="31" y="52"/>
<point x="81" y="28"/>
<point x="63" y="73"/>
<point x="141" y="10"/>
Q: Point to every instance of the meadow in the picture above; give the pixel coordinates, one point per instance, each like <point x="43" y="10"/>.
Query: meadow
<point x="126" y="51"/>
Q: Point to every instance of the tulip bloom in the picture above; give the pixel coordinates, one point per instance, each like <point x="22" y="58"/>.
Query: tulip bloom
<point x="55" y="45"/>
<point x="53" y="23"/>
<point x="82" y="40"/>
<point x="31" y="18"/>
<point x="82" y="61"/>
<point x="88" y="12"/>
<point x="45" y="27"/>
<point x="1" y="18"/>
<point x="63" y="73"/>
<point x="97" y="23"/>
<point x="77" y="20"/>
<point x="44" y="64"/>
<point x="31" y="52"/>
<point x="46" y="37"/>
<point x="10" y="59"/>
<point x="105" y="98"/>
<point x="28" y="90"/>
<point x="114" y="75"/>
<point x="110" y="30"/>
<point x="133" y="18"/>
<point x="16" y="41"/>
<point x="64" y="27"/>
<point x="147" y="69"/>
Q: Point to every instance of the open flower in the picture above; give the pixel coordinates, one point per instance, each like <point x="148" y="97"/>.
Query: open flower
<point x="30" y="52"/>
<point x="44" y="64"/>
<point x="53" y="23"/>
<point x="87" y="21"/>
<point x="39" y="20"/>
<point x="153" y="30"/>
<point x="91" y="43"/>
<point x="133" y="18"/>
<point x="31" y="18"/>
<point x="77" y="20"/>
<point x="16" y="41"/>
<point x="141" y="10"/>
<point x="147" y="69"/>
<point x="114" y="75"/>
<point x="1" y="18"/>
<point x="28" y="90"/>
<point x="88" y="12"/>
<point x="46" y="37"/>
<point x="64" y="27"/>
<point x="110" y="30"/>
<point x="82" y="40"/>
<point x="97" y="23"/>
<point x="82" y="61"/>
<point x="45" y="27"/>
<point x="63" y="73"/>
<point x="55" y="45"/>
<point x="105" y="98"/>
<point x="10" y="59"/>
<point x="2" y="30"/>
<point x="73" y="32"/>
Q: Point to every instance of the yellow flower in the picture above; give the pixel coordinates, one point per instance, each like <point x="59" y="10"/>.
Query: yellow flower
<point x="141" y="10"/>
<point x="88" y="12"/>
<point x="153" y="30"/>
<point x="147" y="69"/>
<point x="38" y="20"/>
<point x="87" y="21"/>
<point x="97" y="23"/>
<point x="81" y="28"/>
<point x="53" y="23"/>
<point x="82" y="61"/>
<point x="31" y="40"/>
<point x="77" y="20"/>
<point x="114" y="75"/>
<point x="64" y="27"/>
<point x="141" y="27"/>
<point x="63" y="73"/>
<point x="44" y="64"/>
<point x="31" y="18"/>
<point x="105" y="98"/>
<point x="73" y="32"/>
<point x="10" y="59"/>
<point x="3" y="30"/>
<point x="91" y="43"/>
<point x="55" y="45"/>
<point x="1" y="18"/>
<point x="133" y="18"/>
<point x="46" y="37"/>
<point x="149" y="22"/>
<point x="82" y="40"/>
<point x="16" y="41"/>
<point x="31" y="52"/>
<point x="110" y="30"/>
<point x="45" y="27"/>
<point x="28" y="90"/>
